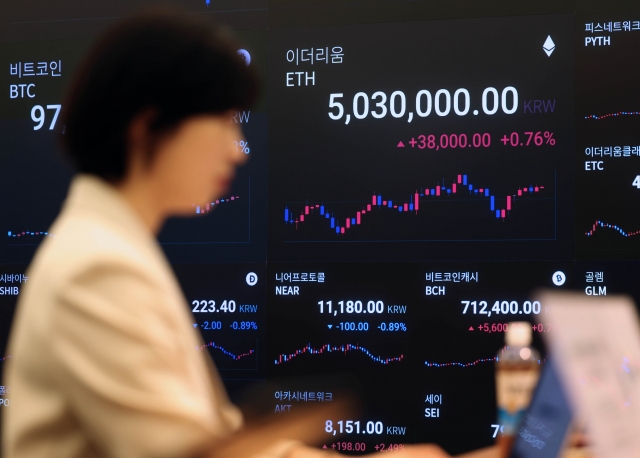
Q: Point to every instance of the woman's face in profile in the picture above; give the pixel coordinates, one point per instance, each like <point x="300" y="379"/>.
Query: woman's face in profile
<point x="196" y="163"/>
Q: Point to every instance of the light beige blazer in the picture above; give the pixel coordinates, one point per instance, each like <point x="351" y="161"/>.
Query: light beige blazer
<point x="104" y="359"/>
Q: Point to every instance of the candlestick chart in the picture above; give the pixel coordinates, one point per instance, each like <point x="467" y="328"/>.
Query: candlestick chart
<point x="28" y="236"/>
<point x="228" y="360"/>
<point x="210" y="206"/>
<point x="225" y="220"/>
<point x="232" y="352"/>
<point x="499" y="209"/>
<point x="453" y="210"/>
<point x="344" y="349"/>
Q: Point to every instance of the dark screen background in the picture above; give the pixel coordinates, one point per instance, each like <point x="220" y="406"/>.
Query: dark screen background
<point x="415" y="347"/>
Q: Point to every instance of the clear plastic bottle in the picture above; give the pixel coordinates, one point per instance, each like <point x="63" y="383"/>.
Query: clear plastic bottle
<point x="517" y="373"/>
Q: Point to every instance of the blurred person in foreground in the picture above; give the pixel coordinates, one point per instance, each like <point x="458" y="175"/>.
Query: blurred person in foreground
<point x="104" y="360"/>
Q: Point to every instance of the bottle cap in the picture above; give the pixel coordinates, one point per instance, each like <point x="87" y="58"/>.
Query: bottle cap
<point x="518" y="334"/>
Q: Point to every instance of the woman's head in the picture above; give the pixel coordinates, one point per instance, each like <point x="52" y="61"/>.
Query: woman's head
<point x="154" y="96"/>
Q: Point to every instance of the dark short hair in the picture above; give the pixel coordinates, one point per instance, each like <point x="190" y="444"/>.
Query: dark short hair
<point x="175" y="64"/>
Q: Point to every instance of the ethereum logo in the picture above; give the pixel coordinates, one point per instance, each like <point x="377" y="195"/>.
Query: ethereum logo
<point x="549" y="46"/>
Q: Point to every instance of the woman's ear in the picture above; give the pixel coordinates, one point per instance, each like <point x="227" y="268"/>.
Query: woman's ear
<point x="140" y="139"/>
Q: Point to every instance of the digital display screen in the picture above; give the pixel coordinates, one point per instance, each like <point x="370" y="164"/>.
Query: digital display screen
<point x="445" y="156"/>
<point x="415" y="172"/>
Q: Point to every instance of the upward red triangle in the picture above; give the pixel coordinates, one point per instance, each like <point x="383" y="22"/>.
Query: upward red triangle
<point x="470" y="328"/>
<point x="324" y="447"/>
<point x="400" y="145"/>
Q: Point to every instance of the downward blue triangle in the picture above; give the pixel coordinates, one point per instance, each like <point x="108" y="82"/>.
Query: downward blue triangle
<point x="195" y="325"/>
<point x="330" y="326"/>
